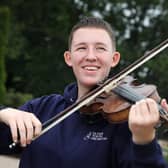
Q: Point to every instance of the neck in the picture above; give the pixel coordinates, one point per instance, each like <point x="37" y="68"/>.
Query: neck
<point x="83" y="91"/>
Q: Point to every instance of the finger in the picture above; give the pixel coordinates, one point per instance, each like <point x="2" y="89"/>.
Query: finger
<point x="29" y="130"/>
<point x="164" y="104"/>
<point x="141" y="110"/>
<point x="153" y="109"/>
<point x="37" y="126"/>
<point x="22" y="132"/>
<point x="14" y="132"/>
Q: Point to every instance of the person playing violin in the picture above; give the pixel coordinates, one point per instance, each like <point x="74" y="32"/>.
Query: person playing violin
<point x="84" y="140"/>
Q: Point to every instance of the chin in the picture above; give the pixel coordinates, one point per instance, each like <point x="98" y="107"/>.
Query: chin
<point x="90" y="84"/>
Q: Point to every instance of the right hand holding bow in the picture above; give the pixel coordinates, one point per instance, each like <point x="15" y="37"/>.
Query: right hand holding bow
<point x="23" y="125"/>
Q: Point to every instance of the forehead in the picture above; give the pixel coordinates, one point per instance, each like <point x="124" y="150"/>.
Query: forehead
<point x="91" y="35"/>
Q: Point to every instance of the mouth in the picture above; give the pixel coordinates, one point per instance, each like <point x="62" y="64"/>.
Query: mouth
<point x="91" y="68"/>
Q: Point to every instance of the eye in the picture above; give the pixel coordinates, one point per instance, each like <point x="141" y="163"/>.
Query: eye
<point x="81" y="49"/>
<point x="100" y="49"/>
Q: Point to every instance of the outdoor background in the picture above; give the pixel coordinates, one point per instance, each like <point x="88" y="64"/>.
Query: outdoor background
<point x="34" y="33"/>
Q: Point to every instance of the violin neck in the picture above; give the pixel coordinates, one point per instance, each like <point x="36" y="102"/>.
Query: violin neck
<point x="132" y="96"/>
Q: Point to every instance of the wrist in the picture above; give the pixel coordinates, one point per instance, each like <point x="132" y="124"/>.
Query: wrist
<point x="145" y="139"/>
<point x="2" y="108"/>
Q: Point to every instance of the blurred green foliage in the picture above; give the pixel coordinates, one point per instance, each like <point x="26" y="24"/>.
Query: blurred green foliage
<point x="4" y="30"/>
<point x="15" y="99"/>
<point x="39" y="31"/>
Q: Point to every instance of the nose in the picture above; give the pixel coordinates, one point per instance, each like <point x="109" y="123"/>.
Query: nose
<point x="91" y="55"/>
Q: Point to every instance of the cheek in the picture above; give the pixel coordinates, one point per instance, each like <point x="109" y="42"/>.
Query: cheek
<point x="77" y="58"/>
<point x="107" y="62"/>
<point x="76" y="63"/>
<point x="107" y="65"/>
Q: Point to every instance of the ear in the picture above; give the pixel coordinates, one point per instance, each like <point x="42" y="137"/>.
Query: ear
<point x="67" y="58"/>
<point x="116" y="59"/>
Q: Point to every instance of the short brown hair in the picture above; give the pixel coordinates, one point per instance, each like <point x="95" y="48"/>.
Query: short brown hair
<point x="94" y="23"/>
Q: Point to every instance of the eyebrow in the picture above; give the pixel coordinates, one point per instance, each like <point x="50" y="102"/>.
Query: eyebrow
<point x="100" y="43"/>
<point x="78" y="44"/>
<point x="83" y="43"/>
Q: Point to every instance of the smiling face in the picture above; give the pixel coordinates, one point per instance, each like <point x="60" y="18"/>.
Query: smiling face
<point x="91" y="56"/>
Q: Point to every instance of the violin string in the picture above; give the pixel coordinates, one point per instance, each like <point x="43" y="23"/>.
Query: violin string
<point x="138" y="97"/>
<point x="166" y="116"/>
<point x="134" y="96"/>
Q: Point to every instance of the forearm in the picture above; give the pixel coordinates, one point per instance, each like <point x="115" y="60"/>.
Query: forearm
<point x="131" y="155"/>
<point x="148" y="155"/>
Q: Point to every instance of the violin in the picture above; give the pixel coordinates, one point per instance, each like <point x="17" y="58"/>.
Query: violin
<point x="115" y="105"/>
<point x="113" y="98"/>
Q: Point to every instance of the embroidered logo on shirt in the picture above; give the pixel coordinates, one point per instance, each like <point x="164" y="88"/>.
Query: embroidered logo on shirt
<point x="95" y="136"/>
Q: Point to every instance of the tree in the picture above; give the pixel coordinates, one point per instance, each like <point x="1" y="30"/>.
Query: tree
<point x="4" y="28"/>
<point x="39" y="33"/>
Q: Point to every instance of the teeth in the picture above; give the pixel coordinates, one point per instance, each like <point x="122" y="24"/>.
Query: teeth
<point x="91" y="68"/>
